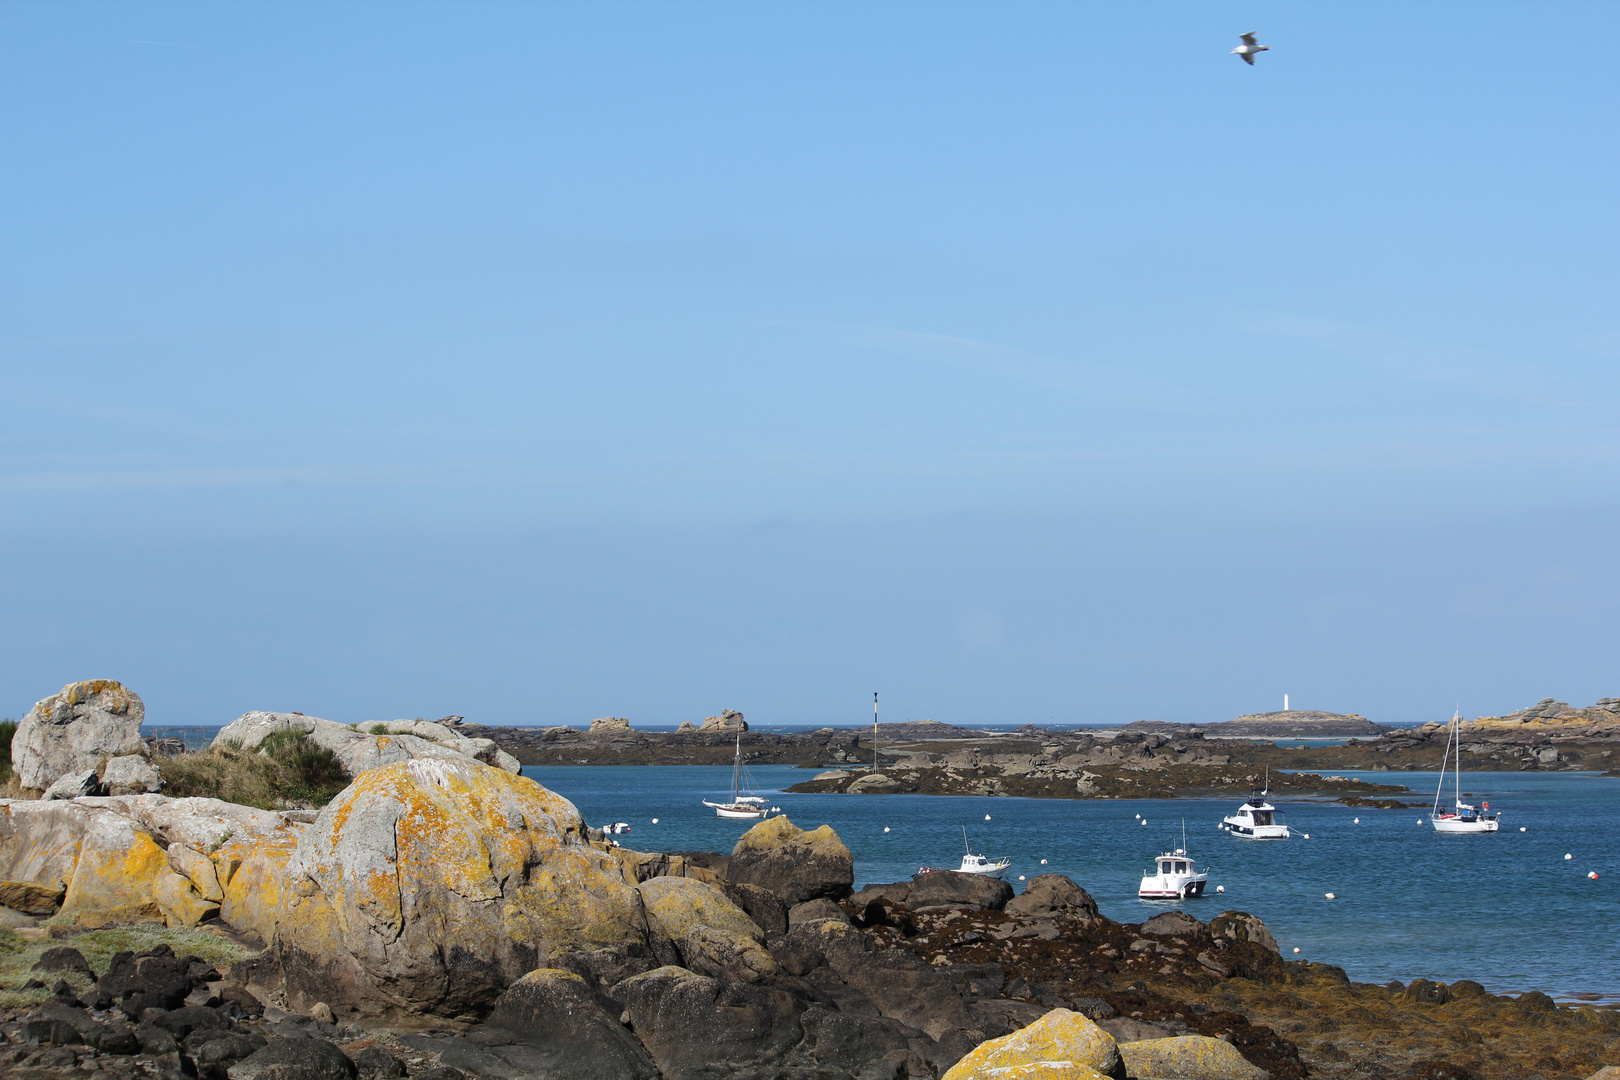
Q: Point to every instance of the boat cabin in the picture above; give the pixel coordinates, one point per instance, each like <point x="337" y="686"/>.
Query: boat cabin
<point x="1175" y="866"/>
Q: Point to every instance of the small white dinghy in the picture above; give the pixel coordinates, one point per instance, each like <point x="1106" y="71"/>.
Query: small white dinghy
<point x="1174" y="876"/>
<point x="1464" y="818"/>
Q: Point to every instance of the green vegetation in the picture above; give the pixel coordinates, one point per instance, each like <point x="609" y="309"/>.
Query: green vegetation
<point x="8" y="728"/>
<point x="379" y="729"/>
<point x="287" y="770"/>
<point x="18" y="955"/>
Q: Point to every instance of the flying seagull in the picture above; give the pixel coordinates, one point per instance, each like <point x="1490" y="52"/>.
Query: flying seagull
<point x="1248" y="49"/>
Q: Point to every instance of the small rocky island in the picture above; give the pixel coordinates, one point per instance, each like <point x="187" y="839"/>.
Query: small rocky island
<point x="442" y="917"/>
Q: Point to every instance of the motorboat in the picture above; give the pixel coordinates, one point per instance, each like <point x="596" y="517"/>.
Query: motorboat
<point x="1173" y="877"/>
<point x="1257" y="819"/>
<point x="618" y="828"/>
<point x="744" y="807"/>
<point x="979" y="864"/>
<point x="1463" y="817"/>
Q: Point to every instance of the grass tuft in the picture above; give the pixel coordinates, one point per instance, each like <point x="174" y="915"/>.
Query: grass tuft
<point x="18" y="955"/>
<point x="287" y="771"/>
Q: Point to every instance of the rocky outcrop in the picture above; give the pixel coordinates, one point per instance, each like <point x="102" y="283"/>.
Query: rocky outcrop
<point x="605" y="725"/>
<point x="131" y="774"/>
<point x="794" y="864"/>
<point x="948" y="889"/>
<point x="1297" y="723"/>
<point x="728" y="720"/>
<point x="1052" y="894"/>
<point x="431" y="885"/>
<point x="142" y="858"/>
<point x="76" y="731"/>
<point x="367" y="746"/>
<point x="1555" y="714"/>
<point x="1061" y="1036"/>
<point x="569" y="1030"/>
<point x="1187" y="1057"/>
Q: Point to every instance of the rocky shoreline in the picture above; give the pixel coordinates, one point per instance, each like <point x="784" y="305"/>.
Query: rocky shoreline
<point x="444" y="917"/>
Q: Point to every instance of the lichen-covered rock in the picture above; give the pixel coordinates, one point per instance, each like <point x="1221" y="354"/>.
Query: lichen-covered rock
<point x="73" y="785"/>
<point x="728" y="720"/>
<point x="1059" y="1036"/>
<point x="31" y="897"/>
<point x="131" y="774"/>
<point x="1038" y="1070"/>
<point x="1188" y="1057"/>
<point x="794" y="864"/>
<point x="432" y="885"/>
<point x="1241" y="926"/>
<point x="370" y="746"/>
<point x="694" y="1025"/>
<point x="1172" y="924"/>
<point x="139" y="858"/>
<point x="74" y="730"/>
<point x="680" y="904"/>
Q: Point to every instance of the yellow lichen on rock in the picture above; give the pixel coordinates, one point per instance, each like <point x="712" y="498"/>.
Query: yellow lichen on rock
<point x="1061" y="1036"/>
<point x="431" y="884"/>
<point x="1041" y="1070"/>
<point x="1188" y="1055"/>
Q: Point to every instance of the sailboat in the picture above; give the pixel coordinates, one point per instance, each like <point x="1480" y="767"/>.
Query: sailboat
<point x="1465" y="818"/>
<point x="741" y="806"/>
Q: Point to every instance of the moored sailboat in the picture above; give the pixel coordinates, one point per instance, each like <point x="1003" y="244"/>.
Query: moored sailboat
<point x="745" y="807"/>
<point x="1464" y="817"/>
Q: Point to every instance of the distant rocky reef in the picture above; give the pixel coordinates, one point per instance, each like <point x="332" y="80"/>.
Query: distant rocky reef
<point x="1285" y="724"/>
<point x="1550" y="713"/>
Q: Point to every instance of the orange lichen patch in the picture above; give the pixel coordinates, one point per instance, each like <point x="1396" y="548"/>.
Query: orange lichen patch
<point x="115" y="884"/>
<point x="252" y="875"/>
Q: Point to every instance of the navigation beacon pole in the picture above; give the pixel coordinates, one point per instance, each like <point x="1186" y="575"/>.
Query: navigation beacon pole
<point x="874" y="731"/>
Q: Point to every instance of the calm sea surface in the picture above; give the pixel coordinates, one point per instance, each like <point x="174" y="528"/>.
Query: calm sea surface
<point x="1506" y="909"/>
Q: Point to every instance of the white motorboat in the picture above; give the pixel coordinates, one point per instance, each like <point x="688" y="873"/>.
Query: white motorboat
<point x="1464" y="817"/>
<point x="978" y="864"/>
<point x="1257" y="819"/>
<point x="1174" y="877"/>
<point x="745" y="807"/>
<point x="618" y="828"/>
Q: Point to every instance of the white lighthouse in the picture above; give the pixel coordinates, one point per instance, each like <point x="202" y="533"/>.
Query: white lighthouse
<point x="1285" y="703"/>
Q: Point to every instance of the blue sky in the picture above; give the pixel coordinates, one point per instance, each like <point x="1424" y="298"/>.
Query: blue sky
<point x="1022" y="362"/>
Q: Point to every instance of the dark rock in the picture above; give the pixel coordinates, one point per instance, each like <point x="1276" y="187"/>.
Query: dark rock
<point x="604" y="968"/>
<point x="316" y="1057"/>
<point x="841" y="1040"/>
<point x="794" y="864"/>
<point x="815" y="911"/>
<point x="1126" y="1030"/>
<point x="900" y="984"/>
<point x="32" y="897"/>
<point x="1465" y="989"/>
<point x="155" y="1040"/>
<point x="997" y="1017"/>
<point x="767" y="909"/>
<point x="1093" y="1008"/>
<point x="1534" y="1001"/>
<point x="375" y="1063"/>
<point x="1172" y="924"/>
<point x="1242" y="927"/>
<point x="183" y="1021"/>
<point x="227" y="1047"/>
<point x="976" y="980"/>
<point x="64" y="958"/>
<point x="443" y="1072"/>
<point x="33" y="984"/>
<point x="558" y="1013"/>
<point x="690" y="1022"/>
<point x="247" y="1004"/>
<point x="51" y="1033"/>
<point x="64" y="993"/>
<point x="949" y="889"/>
<point x="795" y="958"/>
<point x="893" y="893"/>
<point x="1053" y="894"/>
<point x="1428" y="993"/>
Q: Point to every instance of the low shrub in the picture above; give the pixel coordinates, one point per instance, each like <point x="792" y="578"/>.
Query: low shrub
<point x="287" y="770"/>
<point x="8" y="728"/>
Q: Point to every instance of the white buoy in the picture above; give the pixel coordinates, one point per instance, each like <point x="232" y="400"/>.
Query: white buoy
<point x="1592" y="875"/>
<point x="1220" y="888"/>
<point x="1568" y="857"/>
<point x="1138" y="815"/>
<point x="1358" y="821"/>
<point x="1296" y="948"/>
<point x="1420" y="821"/>
<point x="885" y="828"/>
<point x="1306" y="835"/>
<point x="1021" y="877"/>
<point x="1144" y="821"/>
<point x="1330" y="896"/>
<point x="1521" y="828"/>
<point x="1043" y="862"/>
<point x="655" y="821"/>
<point x="987" y="817"/>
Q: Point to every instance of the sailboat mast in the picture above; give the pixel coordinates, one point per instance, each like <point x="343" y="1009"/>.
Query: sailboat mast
<point x="1441" y="786"/>
<point x="736" y="770"/>
<point x="874" y="732"/>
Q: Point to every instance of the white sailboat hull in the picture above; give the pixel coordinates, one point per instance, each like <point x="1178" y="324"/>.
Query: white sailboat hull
<point x="737" y="810"/>
<point x="1457" y="825"/>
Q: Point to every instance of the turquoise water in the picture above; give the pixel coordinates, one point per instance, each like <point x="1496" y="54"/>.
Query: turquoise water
<point x="1506" y="909"/>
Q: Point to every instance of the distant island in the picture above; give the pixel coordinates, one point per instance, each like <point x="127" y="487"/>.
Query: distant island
<point x="1285" y="724"/>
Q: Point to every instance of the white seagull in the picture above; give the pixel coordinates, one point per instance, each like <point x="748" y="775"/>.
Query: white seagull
<point x="1248" y="48"/>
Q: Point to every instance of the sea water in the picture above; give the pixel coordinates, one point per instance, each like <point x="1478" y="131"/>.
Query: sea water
<point x="1506" y="909"/>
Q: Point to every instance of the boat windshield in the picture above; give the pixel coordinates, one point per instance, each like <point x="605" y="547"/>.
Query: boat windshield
<point x="1181" y="868"/>
<point x="1164" y="867"/>
<point x="1262" y="817"/>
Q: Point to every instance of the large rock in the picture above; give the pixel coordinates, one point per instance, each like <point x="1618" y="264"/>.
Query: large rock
<point x="1053" y="894"/>
<point x="697" y="1027"/>
<point x="948" y="888"/>
<point x="1188" y="1057"/>
<point x="899" y="984"/>
<point x="131" y="774"/>
<point x="367" y="746"/>
<point x="794" y="864"/>
<point x="432" y="885"/>
<point x="1035" y="1070"/>
<point x="728" y="720"/>
<point x="612" y="725"/>
<point x="714" y="936"/>
<point x="1240" y="926"/>
<point x="1059" y="1036"/>
<point x="75" y="730"/>
<point x="557" y="1013"/>
<point x="148" y="858"/>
